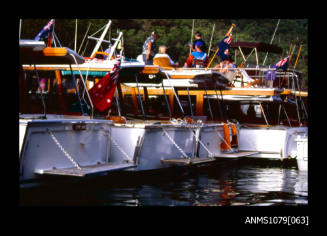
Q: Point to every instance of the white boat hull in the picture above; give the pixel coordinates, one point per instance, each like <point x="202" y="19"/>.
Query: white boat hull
<point x="276" y="143"/>
<point x="148" y="145"/>
<point x="39" y="151"/>
<point x="302" y="152"/>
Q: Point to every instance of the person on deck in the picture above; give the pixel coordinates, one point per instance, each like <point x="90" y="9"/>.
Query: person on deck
<point x="149" y="48"/>
<point x="198" y="37"/>
<point x="227" y="63"/>
<point x="198" y="58"/>
<point x="163" y="53"/>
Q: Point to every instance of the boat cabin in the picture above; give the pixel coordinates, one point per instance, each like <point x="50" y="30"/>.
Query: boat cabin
<point x="43" y="88"/>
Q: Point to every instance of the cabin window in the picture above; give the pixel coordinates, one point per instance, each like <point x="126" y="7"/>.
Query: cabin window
<point x="31" y="92"/>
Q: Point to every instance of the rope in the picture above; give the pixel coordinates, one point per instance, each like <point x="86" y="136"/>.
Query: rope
<point x="56" y="38"/>
<point x="263" y="112"/>
<point x="179" y="103"/>
<point x="297" y="106"/>
<point x="69" y="157"/>
<point x="119" y="148"/>
<point x="176" y="145"/>
<point x="99" y="30"/>
<point x="83" y="84"/>
<point x="84" y="37"/>
<point x="198" y="140"/>
<point x="287" y="116"/>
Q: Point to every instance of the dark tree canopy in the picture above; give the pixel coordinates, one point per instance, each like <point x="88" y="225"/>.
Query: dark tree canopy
<point x="176" y="33"/>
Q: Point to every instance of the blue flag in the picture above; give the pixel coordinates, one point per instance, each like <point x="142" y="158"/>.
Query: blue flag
<point x="224" y="46"/>
<point x="44" y="33"/>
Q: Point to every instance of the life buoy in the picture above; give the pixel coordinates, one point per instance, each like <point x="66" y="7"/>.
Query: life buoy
<point x="189" y="120"/>
<point x="226" y="144"/>
<point x="234" y="142"/>
<point x="117" y="119"/>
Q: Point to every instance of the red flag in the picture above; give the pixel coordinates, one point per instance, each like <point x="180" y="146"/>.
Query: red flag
<point x="103" y="92"/>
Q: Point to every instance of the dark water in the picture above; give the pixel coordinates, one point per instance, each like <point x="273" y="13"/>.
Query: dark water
<point x="231" y="183"/>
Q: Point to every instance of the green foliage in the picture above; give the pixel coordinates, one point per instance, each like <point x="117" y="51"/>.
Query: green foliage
<point x="176" y="33"/>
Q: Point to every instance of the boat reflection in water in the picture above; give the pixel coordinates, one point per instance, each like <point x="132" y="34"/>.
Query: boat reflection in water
<point x="224" y="184"/>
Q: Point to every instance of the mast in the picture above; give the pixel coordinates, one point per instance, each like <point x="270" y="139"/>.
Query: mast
<point x="101" y="38"/>
<point x="115" y="45"/>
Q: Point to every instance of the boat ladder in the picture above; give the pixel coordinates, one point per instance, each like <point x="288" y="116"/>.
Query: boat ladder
<point x="86" y="170"/>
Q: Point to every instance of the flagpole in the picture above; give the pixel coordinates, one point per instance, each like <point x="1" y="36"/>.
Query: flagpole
<point x="51" y="37"/>
<point x="290" y="53"/>
<point x="230" y="30"/>
<point x="289" y="50"/>
<point x="20" y="26"/>
<point x="272" y="39"/>
<point x="297" y="57"/>
<point x="213" y="28"/>
<point x="75" y="36"/>
<point x="192" y="35"/>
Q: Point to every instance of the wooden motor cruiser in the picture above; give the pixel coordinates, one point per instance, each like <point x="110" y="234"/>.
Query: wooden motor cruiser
<point x="278" y="113"/>
<point x="53" y="138"/>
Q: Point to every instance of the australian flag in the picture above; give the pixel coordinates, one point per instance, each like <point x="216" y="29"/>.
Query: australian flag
<point x="103" y="92"/>
<point x="223" y="46"/>
<point x="282" y="64"/>
<point x="44" y="33"/>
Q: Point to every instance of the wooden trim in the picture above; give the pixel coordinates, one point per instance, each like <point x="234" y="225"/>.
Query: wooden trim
<point x="150" y="70"/>
<point x="60" y="90"/>
<point x="296" y="93"/>
<point x="134" y="100"/>
<point x="199" y="104"/>
<point x="65" y="68"/>
<point x="49" y="87"/>
<point x="233" y="91"/>
<point x="300" y="93"/>
<point x="171" y="101"/>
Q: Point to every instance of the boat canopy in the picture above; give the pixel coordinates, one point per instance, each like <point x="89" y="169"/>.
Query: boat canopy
<point x="145" y="74"/>
<point x="260" y="46"/>
<point x="35" y="52"/>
